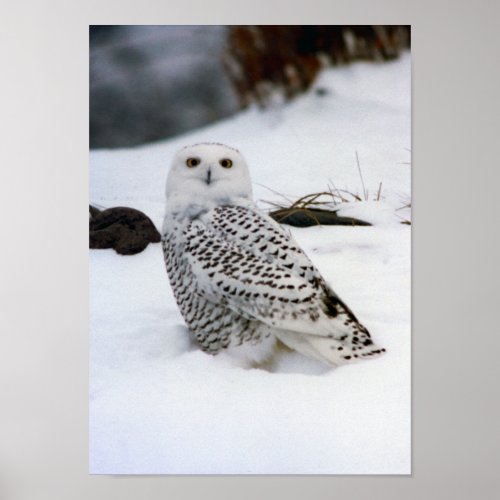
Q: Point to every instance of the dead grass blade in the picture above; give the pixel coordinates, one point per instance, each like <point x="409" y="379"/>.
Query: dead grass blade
<point x="365" y="193"/>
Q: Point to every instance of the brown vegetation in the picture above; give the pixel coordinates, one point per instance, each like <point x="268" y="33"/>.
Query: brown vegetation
<point x="263" y="59"/>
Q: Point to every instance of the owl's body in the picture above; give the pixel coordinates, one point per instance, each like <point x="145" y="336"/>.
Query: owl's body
<point x="240" y="280"/>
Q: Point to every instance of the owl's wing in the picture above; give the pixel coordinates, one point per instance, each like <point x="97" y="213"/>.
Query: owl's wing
<point x="262" y="236"/>
<point x="246" y="262"/>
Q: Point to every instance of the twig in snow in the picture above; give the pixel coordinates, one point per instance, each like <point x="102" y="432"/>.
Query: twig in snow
<point x="365" y="193"/>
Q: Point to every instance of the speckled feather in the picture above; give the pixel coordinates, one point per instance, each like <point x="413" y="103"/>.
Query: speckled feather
<point x="240" y="279"/>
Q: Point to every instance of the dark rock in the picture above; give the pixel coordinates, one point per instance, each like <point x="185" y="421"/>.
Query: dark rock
<point x="127" y="230"/>
<point x="306" y="217"/>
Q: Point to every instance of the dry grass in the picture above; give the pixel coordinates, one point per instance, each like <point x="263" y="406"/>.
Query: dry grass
<point x="333" y="196"/>
<point x="329" y="198"/>
<point x="406" y="206"/>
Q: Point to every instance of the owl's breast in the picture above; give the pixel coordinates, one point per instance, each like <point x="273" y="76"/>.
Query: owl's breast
<point x="214" y="326"/>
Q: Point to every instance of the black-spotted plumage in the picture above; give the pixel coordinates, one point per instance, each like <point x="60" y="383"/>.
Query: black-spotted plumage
<point x="240" y="279"/>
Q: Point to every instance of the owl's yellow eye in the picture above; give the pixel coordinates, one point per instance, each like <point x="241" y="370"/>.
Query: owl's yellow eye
<point x="226" y="163"/>
<point x="192" y="162"/>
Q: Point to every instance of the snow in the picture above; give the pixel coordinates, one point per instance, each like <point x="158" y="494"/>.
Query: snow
<point x="158" y="405"/>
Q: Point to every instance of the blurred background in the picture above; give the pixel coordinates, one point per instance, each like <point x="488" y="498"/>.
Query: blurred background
<point x="149" y="83"/>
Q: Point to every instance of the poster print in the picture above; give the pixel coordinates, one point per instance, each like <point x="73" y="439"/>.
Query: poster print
<point x="250" y="234"/>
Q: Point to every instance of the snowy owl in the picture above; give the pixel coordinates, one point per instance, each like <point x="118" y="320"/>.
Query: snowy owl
<point x="240" y="280"/>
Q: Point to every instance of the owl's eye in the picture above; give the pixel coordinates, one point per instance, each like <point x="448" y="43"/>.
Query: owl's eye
<point x="192" y="162"/>
<point x="226" y="163"/>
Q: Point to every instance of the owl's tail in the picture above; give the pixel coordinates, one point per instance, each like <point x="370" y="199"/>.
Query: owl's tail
<point x="329" y="350"/>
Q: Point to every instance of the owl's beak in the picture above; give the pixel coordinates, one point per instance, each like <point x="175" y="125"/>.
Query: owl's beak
<point x="209" y="176"/>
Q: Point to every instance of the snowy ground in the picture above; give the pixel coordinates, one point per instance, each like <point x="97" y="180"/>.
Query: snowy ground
<point x="159" y="405"/>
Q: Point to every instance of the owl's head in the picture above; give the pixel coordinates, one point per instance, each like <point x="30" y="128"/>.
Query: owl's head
<point x="208" y="175"/>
